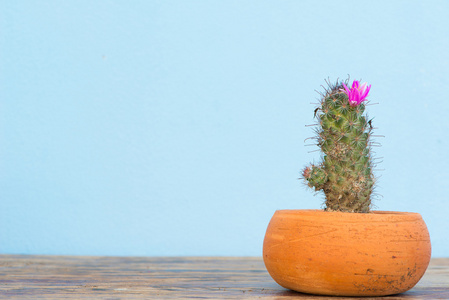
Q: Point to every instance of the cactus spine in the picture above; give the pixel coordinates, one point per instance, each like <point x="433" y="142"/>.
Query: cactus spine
<point x="345" y="173"/>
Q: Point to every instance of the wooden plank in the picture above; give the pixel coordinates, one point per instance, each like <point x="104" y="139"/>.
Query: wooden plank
<point x="56" y="277"/>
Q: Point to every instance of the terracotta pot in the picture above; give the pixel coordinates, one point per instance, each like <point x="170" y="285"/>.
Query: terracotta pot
<point x="346" y="254"/>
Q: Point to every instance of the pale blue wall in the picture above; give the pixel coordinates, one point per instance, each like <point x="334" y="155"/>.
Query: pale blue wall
<point x="178" y="127"/>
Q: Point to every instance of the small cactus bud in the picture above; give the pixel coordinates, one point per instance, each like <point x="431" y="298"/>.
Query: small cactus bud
<point x="315" y="176"/>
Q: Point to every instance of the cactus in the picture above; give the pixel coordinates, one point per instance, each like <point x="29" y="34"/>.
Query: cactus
<point x="343" y="134"/>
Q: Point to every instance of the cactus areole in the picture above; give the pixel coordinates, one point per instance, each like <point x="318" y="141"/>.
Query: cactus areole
<point x="345" y="173"/>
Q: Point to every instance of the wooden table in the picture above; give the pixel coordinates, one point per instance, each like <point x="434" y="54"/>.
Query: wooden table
<point x="75" y="277"/>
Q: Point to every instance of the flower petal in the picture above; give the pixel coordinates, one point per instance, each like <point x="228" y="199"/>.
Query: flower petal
<point x="365" y="93"/>
<point x="362" y="87"/>
<point x="346" y="89"/>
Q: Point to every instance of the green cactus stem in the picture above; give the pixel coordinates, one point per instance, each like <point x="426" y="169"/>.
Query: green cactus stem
<point x="345" y="173"/>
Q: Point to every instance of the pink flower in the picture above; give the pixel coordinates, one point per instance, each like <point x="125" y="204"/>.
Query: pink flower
<point x="357" y="94"/>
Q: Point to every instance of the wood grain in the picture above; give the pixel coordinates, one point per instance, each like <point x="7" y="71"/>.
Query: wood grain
<point x="71" y="277"/>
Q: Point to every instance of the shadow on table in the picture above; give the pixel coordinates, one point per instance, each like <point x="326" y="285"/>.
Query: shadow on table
<point x="430" y="293"/>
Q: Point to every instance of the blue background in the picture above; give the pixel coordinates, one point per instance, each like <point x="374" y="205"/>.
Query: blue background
<point x="178" y="127"/>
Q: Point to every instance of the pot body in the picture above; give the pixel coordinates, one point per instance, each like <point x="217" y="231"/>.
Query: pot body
<point x="346" y="254"/>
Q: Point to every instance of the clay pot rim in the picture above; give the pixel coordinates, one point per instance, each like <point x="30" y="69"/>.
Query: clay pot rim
<point x="377" y="215"/>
